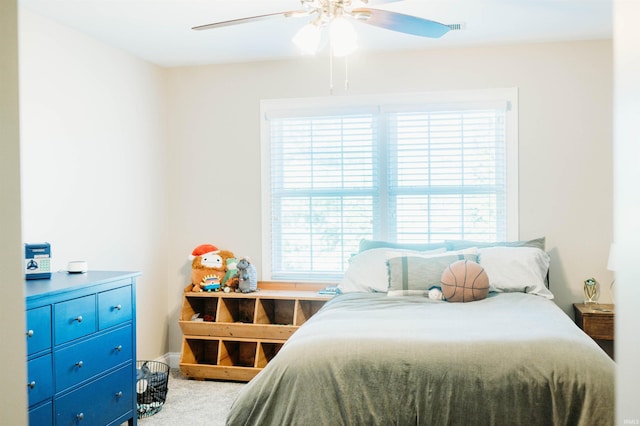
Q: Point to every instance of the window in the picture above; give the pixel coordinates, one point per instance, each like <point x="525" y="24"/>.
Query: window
<point x="409" y="168"/>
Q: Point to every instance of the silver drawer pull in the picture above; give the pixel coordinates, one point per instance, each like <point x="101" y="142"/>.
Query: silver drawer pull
<point x="118" y="348"/>
<point x="80" y="416"/>
<point x="78" y="318"/>
<point x="117" y="307"/>
<point x="32" y="384"/>
<point x="79" y="364"/>
<point x="30" y="333"/>
<point x="119" y="394"/>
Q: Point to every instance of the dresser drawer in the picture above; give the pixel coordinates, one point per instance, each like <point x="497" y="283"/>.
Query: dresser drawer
<point x="38" y="329"/>
<point x="114" y="307"/>
<point x="74" y="318"/>
<point x="39" y="379"/>
<point x="99" y="402"/>
<point x="42" y="415"/>
<point x="82" y="361"/>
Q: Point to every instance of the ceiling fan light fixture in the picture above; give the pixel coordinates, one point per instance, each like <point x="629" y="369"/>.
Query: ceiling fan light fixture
<point x="308" y="39"/>
<point x="343" y="37"/>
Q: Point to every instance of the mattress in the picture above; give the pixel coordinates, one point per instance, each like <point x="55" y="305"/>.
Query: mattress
<point x="371" y="359"/>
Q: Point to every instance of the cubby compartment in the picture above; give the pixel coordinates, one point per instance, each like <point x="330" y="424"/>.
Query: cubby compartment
<point x="275" y="311"/>
<point x="237" y="353"/>
<point x="305" y="309"/>
<point x="205" y="306"/>
<point x="235" y="309"/>
<point x="266" y="352"/>
<point x="200" y="351"/>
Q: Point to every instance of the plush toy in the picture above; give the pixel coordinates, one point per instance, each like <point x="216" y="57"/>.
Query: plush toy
<point x="435" y="293"/>
<point x="247" y="276"/>
<point x="231" y="277"/>
<point x="208" y="267"/>
<point x="464" y="281"/>
<point x="211" y="283"/>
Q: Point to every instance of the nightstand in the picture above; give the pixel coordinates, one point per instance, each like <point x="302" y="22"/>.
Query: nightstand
<point x="597" y="320"/>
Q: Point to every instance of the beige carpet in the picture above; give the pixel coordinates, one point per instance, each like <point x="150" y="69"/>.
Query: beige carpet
<point x="194" y="402"/>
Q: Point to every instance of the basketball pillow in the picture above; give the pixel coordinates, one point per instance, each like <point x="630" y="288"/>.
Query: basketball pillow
<point x="464" y="281"/>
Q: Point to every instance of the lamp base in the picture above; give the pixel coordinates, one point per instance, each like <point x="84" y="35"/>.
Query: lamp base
<point x="612" y="291"/>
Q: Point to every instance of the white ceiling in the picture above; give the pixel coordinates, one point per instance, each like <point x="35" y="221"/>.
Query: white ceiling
<point x="159" y="31"/>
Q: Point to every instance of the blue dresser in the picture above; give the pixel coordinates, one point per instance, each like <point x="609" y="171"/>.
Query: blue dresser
<point x="81" y="349"/>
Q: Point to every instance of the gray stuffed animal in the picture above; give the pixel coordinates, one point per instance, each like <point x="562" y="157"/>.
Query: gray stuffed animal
<point x="247" y="276"/>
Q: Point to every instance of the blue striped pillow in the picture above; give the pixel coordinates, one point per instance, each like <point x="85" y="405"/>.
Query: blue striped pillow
<point x="415" y="275"/>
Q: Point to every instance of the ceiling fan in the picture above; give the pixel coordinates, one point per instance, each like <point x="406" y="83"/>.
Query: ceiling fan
<point x="342" y="36"/>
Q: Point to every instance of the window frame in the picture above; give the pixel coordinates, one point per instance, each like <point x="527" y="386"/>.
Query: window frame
<point x="465" y="99"/>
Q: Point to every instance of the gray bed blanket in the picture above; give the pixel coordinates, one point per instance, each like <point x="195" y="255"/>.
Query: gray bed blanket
<point x="369" y="359"/>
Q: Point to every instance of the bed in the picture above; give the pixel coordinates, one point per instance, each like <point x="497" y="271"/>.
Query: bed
<point x="371" y="358"/>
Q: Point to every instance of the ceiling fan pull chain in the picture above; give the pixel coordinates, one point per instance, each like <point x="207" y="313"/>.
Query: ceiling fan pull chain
<point x="331" y="71"/>
<point x="346" y="73"/>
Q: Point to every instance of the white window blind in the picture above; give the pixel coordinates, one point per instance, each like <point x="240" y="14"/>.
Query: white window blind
<point x="414" y="173"/>
<point x="447" y="175"/>
<point x="323" y="191"/>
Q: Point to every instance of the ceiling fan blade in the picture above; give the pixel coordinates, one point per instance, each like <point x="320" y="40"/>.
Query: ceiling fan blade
<point x="376" y="2"/>
<point x="287" y="14"/>
<point x="399" y="22"/>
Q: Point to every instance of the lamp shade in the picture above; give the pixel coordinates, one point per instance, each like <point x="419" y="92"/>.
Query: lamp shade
<point x="612" y="263"/>
<point x="308" y="39"/>
<point x="344" y="39"/>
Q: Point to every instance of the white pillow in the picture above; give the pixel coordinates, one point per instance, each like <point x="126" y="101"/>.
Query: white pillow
<point x="516" y="269"/>
<point x="367" y="270"/>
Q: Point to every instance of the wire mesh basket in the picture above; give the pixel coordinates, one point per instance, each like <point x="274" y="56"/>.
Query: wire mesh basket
<point x="152" y="380"/>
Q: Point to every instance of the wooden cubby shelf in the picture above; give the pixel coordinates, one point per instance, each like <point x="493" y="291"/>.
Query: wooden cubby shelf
<point x="243" y="331"/>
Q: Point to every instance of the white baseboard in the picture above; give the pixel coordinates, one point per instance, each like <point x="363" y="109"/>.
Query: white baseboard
<point x="170" y="358"/>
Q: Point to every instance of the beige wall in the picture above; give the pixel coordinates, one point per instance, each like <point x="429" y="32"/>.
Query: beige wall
<point x="565" y="166"/>
<point x="94" y="162"/>
<point x="13" y="374"/>
<point x="627" y="207"/>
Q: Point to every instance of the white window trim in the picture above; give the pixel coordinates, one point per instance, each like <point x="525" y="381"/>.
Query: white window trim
<point x="275" y="107"/>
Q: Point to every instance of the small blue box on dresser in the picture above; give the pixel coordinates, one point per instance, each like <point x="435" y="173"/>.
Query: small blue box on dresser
<point x="81" y="349"/>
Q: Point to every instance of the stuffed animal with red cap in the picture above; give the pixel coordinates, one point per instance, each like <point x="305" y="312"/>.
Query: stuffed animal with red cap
<point x="208" y="268"/>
